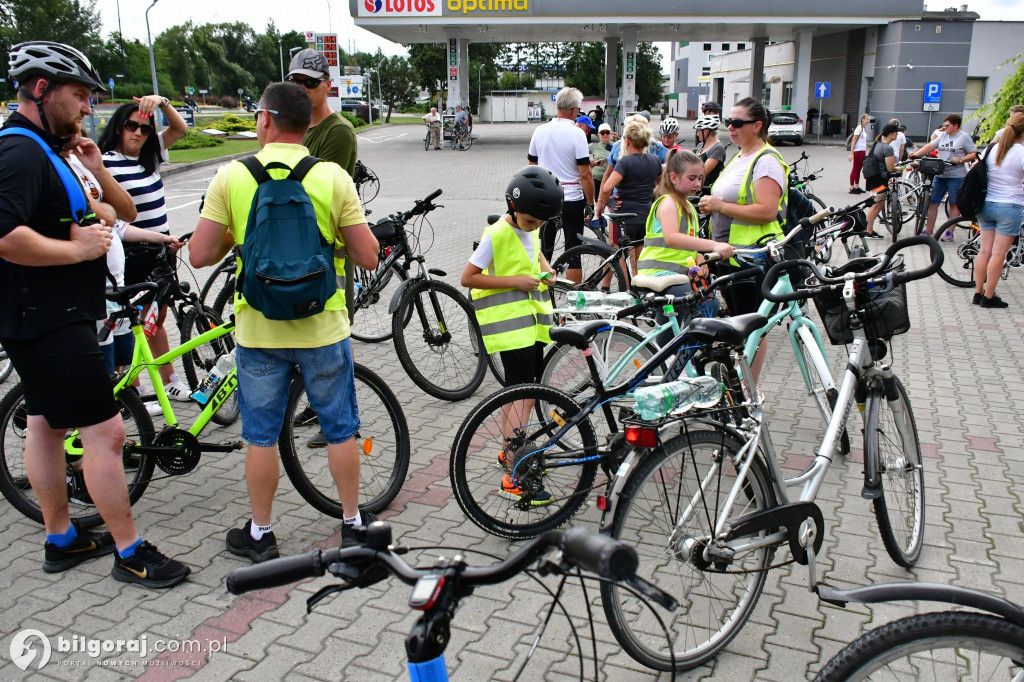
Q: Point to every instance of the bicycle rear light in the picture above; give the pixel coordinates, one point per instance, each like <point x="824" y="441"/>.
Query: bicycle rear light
<point x="641" y="436"/>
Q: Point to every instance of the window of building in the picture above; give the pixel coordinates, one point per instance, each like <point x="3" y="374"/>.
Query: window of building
<point x="705" y="70"/>
<point x="766" y="93"/>
<point x="787" y="93"/>
<point x="707" y="47"/>
<point x="975" y="96"/>
<point x="725" y="47"/>
<point x="678" y="75"/>
<point x="741" y="46"/>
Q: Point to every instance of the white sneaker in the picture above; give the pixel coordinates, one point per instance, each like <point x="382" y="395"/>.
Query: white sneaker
<point x="154" y="409"/>
<point x="176" y="390"/>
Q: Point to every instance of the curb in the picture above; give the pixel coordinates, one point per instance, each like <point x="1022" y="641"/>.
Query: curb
<point x="178" y="168"/>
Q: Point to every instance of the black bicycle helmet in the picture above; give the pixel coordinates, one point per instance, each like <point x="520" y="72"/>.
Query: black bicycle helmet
<point x="54" y="61"/>
<point x="536" y="192"/>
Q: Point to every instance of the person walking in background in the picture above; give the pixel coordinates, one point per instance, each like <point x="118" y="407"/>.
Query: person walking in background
<point x="858" y="149"/>
<point x="880" y="160"/>
<point x="433" y="121"/>
<point x="1000" y="217"/>
<point x="955" y="147"/>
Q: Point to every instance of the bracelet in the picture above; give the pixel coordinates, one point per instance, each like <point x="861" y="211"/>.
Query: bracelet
<point x="166" y="103"/>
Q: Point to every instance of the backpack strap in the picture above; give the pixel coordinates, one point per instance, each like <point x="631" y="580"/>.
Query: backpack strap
<point x="260" y="174"/>
<point x="256" y="169"/>
<point x="302" y="167"/>
<point x="76" y="195"/>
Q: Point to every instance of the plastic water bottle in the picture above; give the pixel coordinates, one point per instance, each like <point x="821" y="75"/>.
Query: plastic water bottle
<point x="654" y="402"/>
<point x="212" y="381"/>
<point x="581" y="300"/>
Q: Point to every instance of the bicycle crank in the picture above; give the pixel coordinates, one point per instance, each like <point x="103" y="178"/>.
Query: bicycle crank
<point x="177" y="451"/>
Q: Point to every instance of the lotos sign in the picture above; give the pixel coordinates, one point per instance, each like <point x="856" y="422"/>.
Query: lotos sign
<point x="405" y="8"/>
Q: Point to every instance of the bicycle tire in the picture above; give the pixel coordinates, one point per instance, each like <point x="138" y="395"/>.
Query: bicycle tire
<point x="936" y="645"/>
<point x="224" y="273"/>
<point x="899" y="509"/>
<point x="445" y="361"/>
<point x="476" y="473"/>
<point x="371" y="321"/>
<point x="818" y="203"/>
<point x="383" y="439"/>
<point x="646" y="516"/>
<point x="891" y="207"/>
<point x="224" y="306"/>
<point x="369" y="188"/>
<point x="200" y="361"/>
<point x="959" y="253"/>
<point x="465" y="141"/>
<point x="824" y="398"/>
<point x="14" y="481"/>
<point x="551" y="233"/>
<point x="6" y="366"/>
<point x="426" y="142"/>
<point x="593" y="272"/>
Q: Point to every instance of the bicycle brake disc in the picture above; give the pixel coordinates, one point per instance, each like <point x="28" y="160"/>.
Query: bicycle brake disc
<point x="185" y="455"/>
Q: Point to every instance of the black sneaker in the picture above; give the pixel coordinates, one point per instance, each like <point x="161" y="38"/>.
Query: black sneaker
<point x="874" y="235"/>
<point x="307" y="416"/>
<point x="352" y="535"/>
<point x="977" y="298"/>
<point x="88" y="545"/>
<point x="994" y="302"/>
<point x="149" y="568"/>
<point x="240" y="543"/>
<point x="317" y="441"/>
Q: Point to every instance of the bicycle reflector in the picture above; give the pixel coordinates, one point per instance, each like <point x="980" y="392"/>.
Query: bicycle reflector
<point x="367" y="446"/>
<point x="641" y="436"/>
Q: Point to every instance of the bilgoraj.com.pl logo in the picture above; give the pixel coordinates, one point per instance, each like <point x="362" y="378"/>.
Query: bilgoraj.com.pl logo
<point x="23" y="648"/>
<point x="31" y="647"/>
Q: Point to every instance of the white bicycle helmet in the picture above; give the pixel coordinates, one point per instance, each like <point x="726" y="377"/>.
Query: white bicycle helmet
<point x="707" y="123"/>
<point x="669" y="126"/>
<point x="55" y="61"/>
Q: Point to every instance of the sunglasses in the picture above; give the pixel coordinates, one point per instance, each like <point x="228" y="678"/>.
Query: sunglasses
<point x="606" y="132"/>
<point x="256" y="114"/>
<point x="736" y="122"/>
<point x="131" y="126"/>
<point x="308" y="83"/>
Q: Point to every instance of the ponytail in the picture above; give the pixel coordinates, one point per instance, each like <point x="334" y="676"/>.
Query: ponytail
<point x="1011" y="133"/>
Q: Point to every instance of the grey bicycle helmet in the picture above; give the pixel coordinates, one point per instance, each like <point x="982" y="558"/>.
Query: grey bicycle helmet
<point x="707" y="123"/>
<point x="535" y="191"/>
<point x="669" y="126"/>
<point x="54" y="61"/>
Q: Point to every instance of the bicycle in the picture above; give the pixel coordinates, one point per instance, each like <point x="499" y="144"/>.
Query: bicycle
<point x="804" y="183"/>
<point x="438" y="590"/>
<point x="709" y="507"/>
<point x="177" y="451"/>
<point x="949" y="645"/>
<point x="449" y="363"/>
<point x="963" y="247"/>
<point x="367" y="183"/>
<point x="6" y="366"/>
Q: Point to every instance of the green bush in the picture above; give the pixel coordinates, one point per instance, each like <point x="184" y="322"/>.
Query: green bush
<point x="356" y="122"/>
<point x="231" y="123"/>
<point x="194" y="140"/>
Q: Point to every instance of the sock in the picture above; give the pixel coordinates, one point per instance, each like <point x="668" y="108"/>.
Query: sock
<point x="356" y="520"/>
<point x="174" y="378"/>
<point x="257" y="532"/>
<point x="62" y="539"/>
<point x="129" y="550"/>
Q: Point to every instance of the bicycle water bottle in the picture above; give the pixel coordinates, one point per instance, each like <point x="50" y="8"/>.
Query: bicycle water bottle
<point x="583" y="299"/>
<point x="149" y="320"/>
<point x="654" y="402"/>
<point x="211" y="383"/>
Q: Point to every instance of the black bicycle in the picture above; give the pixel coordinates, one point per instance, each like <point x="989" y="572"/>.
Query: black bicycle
<point x="432" y="323"/>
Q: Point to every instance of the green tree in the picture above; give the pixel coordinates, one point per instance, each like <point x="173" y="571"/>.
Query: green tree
<point x="73" y="22"/>
<point x="993" y="115"/>
<point x="396" y="83"/>
<point x="585" y="67"/>
<point x="428" y="65"/>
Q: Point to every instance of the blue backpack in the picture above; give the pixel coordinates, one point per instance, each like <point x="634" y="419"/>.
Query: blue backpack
<point x="287" y="265"/>
<point x="76" y="195"/>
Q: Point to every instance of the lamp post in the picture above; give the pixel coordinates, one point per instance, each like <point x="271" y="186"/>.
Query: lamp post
<point x="280" y="54"/>
<point x="479" y="91"/>
<point x="152" y="60"/>
<point x="329" y="28"/>
<point x="380" y="92"/>
<point x="120" y="38"/>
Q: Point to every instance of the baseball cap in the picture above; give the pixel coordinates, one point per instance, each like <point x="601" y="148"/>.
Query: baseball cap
<point x="646" y="114"/>
<point x="586" y="119"/>
<point x="603" y="127"/>
<point x="310" y="63"/>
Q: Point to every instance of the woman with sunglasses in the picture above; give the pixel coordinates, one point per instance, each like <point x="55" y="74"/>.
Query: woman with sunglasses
<point x="132" y="152"/>
<point x="746" y="200"/>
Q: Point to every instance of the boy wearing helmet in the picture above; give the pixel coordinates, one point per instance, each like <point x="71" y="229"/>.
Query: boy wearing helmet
<point x="506" y="274"/>
<point x="710" y="149"/>
<point x="669" y="131"/>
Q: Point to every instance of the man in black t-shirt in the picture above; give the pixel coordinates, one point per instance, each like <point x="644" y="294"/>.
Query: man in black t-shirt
<point x="52" y="272"/>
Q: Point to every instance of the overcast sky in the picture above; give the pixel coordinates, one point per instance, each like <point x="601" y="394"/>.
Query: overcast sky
<point x="333" y="15"/>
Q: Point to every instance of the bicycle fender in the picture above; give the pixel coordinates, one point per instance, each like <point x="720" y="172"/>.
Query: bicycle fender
<point x="949" y="594"/>
<point x="397" y="298"/>
<point x="622" y="475"/>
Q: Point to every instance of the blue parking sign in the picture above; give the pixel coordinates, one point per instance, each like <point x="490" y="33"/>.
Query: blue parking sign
<point x="932" y="93"/>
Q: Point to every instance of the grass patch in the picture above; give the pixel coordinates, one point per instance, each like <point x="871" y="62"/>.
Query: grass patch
<point x="229" y="147"/>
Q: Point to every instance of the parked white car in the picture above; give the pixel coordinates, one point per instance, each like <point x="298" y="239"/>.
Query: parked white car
<point x="786" y="127"/>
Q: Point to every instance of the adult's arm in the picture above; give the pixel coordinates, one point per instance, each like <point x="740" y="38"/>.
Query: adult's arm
<point x="209" y="243"/>
<point x="25" y="246"/>
<point x="360" y="244"/>
<point x="764" y="210"/>
<point x="176" y="126"/>
<point x="709" y="166"/>
<point x="113" y="193"/>
<point x="923" y="151"/>
<point x="586" y="181"/>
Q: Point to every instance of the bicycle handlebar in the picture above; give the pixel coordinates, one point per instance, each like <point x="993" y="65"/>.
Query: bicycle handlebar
<point x="646" y="303"/>
<point x="592" y="552"/>
<point x="872" y="276"/>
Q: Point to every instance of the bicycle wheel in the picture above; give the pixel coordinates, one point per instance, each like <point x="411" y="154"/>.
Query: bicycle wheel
<point x="818" y="203"/>
<point x="14" y="483"/>
<point x="891" y="434"/>
<point x="219" y="278"/>
<point x="369" y="187"/>
<point x="438" y="341"/>
<point x="959" y="251"/>
<point x="6" y="366"/>
<point x="465" y="141"/>
<point x="551" y="234"/>
<point x="426" y="142"/>
<point x="382" y="439"/>
<point x="894" y="214"/>
<point x="224" y="306"/>
<point x="950" y="645"/>
<point x="371" y="322"/>
<point x="666" y="513"/>
<point x="200" y="361"/>
<point x="554" y="486"/>
<point x="596" y="273"/>
<point x="908" y="197"/>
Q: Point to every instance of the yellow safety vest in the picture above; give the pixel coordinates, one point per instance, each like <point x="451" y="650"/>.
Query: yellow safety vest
<point x="745" y="234"/>
<point x="243" y="189"/>
<point x="510" y="318"/>
<point x="657" y="256"/>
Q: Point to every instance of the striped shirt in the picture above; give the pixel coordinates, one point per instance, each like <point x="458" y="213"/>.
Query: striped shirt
<point x="147" y="191"/>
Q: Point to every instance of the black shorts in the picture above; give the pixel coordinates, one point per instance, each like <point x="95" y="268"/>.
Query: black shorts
<point x="65" y="376"/>
<point x="874" y="182"/>
<point x="523" y="365"/>
<point x="572" y="227"/>
<point x="139" y="263"/>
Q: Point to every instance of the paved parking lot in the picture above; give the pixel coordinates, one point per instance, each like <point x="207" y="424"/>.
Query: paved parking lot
<point x="960" y="364"/>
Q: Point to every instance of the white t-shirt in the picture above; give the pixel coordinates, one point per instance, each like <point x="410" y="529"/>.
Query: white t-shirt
<point x="898" y="144"/>
<point x="860" y="144"/>
<point x="727" y="187"/>
<point x="1005" y="180"/>
<point x="484" y="254"/>
<point x="558" y="145"/>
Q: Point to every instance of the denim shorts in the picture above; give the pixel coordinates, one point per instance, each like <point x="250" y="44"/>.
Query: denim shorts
<point x="1003" y="217"/>
<point x="264" y="375"/>
<point x="941" y="186"/>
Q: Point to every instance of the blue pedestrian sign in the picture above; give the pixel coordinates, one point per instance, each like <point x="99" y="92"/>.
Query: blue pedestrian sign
<point x="110" y="82"/>
<point x="822" y="90"/>
<point x="932" y="93"/>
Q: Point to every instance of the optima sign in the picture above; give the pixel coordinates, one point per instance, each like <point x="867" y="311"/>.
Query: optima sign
<point x="469" y="6"/>
<point x="435" y="8"/>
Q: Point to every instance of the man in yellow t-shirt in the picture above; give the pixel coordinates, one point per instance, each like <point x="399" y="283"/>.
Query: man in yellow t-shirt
<point x="268" y="350"/>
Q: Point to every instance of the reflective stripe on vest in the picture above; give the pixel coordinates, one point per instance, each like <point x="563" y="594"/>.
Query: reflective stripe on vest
<point x="744" y="234"/>
<point x="510" y="318"/>
<point x="657" y="256"/>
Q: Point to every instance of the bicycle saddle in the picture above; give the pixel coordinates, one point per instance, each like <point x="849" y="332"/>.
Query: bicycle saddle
<point x="125" y="294"/>
<point x="732" y="331"/>
<point x="616" y="217"/>
<point x="659" y="283"/>
<point x="579" y="335"/>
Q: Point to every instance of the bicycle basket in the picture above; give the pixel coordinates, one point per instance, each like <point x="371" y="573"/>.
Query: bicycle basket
<point x="931" y="167"/>
<point x="387" y="232"/>
<point x="884" y="314"/>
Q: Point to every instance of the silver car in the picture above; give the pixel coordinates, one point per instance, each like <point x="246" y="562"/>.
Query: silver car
<point x="786" y="127"/>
